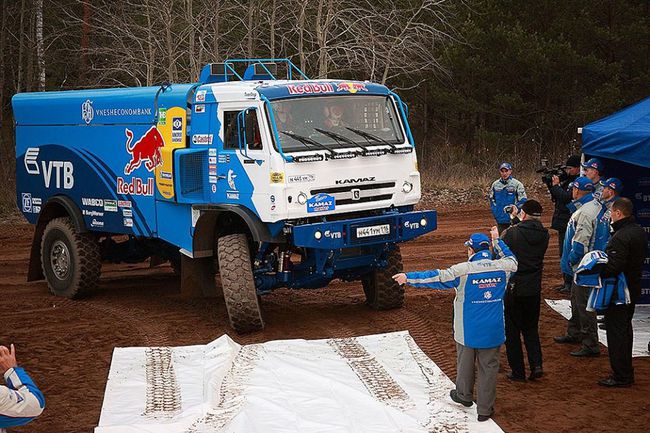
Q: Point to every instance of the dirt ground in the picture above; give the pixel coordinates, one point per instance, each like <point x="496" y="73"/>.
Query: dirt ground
<point x="67" y="345"/>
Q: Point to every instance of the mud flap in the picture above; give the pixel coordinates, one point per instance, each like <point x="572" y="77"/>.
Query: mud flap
<point x="197" y="277"/>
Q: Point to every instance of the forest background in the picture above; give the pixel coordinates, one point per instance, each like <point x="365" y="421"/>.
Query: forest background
<point x="485" y="80"/>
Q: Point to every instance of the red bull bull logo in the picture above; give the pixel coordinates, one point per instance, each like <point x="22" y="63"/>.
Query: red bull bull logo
<point x="146" y="149"/>
<point x="351" y="87"/>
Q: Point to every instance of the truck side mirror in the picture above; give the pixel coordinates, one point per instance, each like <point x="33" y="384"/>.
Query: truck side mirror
<point x="247" y="131"/>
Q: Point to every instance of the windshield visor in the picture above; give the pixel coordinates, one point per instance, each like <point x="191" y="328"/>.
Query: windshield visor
<point x="336" y="122"/>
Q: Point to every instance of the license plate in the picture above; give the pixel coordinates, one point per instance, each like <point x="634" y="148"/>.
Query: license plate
<point x="366" y="232"/>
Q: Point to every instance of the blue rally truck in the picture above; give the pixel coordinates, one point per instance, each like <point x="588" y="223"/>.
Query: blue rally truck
<point x="271" y="182"/>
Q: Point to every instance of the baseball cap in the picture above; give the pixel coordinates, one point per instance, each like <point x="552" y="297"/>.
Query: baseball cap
<point x="594" y="163"/>
<point x="532" y="208"/>
<point x="573" y="161"/>
<point x="478" y="242"/>
<point x="614" y="183"/>
<point x="505" y="165"/>
<point x="582" y="183"/>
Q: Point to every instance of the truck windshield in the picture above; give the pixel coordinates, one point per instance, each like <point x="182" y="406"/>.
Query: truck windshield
<point x="337" y="122"/>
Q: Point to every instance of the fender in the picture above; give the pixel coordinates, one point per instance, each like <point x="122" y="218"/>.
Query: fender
<point x="56" y="206"/>
<point x="206" y="226"/>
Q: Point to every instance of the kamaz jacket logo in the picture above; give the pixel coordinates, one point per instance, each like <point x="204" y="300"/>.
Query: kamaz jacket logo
<point x="486" y="280"/>
<point x="62" y="170"/>
<point x="357" y="180"/>
<point x="146" y="149"/>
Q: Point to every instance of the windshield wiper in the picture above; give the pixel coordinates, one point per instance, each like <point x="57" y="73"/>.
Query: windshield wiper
<point x="307" y="140"/>
<point x="371" y="137"/>
<point x="340" y="138"/>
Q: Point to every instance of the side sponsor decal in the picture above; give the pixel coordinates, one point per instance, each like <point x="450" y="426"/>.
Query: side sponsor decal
<point x="232" y="194"/>
<point x="110" y="205"/>
<point x="202" y="139"/>
<point x="56" y="174"/>
<point x="146" y="149"/>
<point x="177" y="130"/>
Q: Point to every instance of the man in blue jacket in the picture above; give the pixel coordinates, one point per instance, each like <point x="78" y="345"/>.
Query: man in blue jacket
<point x="20" y="401"/>
<point x="588" y="230"/>
<point x="506" y="193"/>
<point x="479" y="331"/>
<point x="593" y="171"/>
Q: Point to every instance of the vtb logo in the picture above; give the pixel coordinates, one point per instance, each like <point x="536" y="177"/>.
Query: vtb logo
<point x="146" y="149"/>
<point x="62" y="170"/>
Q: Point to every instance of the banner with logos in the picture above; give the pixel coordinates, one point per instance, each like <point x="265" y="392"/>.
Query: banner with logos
<point x="636" y="187"/>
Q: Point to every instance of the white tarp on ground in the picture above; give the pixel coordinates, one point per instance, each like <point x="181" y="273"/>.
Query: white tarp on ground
<point x="377" y="383"/>
<point x="640" y="324"/>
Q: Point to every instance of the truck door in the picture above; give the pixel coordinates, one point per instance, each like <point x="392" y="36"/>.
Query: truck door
<point x="242" y="160"/>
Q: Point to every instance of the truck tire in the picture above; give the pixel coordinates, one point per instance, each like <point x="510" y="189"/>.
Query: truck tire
<point x="382" y="292"/>
<point x="238" y="284"/>
<point x="71" y="261"/>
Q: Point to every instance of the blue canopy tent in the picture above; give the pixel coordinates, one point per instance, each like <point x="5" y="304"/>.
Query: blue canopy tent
<point x="622" y="141"/>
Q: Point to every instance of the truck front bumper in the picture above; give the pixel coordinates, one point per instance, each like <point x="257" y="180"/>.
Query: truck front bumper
<point x="383" y="229"/>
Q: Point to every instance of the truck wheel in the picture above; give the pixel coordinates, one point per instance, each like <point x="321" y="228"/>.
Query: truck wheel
<point x="71" y="261"/>
<point x="238" y="284"/>
<point x="382" y="292"/>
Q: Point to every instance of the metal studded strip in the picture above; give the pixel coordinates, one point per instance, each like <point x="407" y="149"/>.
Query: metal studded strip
<point x="371" y="373"/>
<point x="230" y="395"/>
<point x="163" y="391"/>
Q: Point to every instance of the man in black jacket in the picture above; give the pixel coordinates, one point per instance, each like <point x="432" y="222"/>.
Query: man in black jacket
<point x="561" y="195"/>
<point x="528" y="240"/>
<point x="627" y="250"/>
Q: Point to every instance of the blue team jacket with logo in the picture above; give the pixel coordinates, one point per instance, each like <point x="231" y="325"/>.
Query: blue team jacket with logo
<point x="480" y="285"/>
<point x="506" y="193"/>
<point x="21" y="400"/>
<point x="588" y="230"/>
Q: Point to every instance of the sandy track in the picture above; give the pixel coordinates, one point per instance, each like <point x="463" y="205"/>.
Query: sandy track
<point x="67" y="345"/>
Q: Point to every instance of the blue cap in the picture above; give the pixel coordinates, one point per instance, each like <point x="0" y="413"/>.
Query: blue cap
<point x="614" y="183"/>
<point x="595" y="164"/>
<point x="582" y="183"/>
<point x="478" y="242"/>
<point x="505" y="165"/>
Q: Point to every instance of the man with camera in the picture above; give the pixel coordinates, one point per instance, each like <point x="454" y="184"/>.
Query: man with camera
<point x="558" y="182"/>
<point x="507" y="195"/>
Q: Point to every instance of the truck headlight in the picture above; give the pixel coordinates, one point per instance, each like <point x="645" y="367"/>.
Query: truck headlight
<point x="423" y="222"/>
<point x="318" y="235"/>
<point x="407" y="187"/>
<point x="302" y="198"/>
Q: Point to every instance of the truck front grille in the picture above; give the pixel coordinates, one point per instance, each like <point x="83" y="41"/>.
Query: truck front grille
<point x="344" y="195"/>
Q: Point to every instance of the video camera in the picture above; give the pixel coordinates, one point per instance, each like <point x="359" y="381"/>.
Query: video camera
<point x="548" y="172"/>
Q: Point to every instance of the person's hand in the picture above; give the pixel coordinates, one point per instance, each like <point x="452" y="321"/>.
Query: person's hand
<point x="400" y="278"/>
<point x="7" y="358"/>
<point x="494" y="232"/>
<point x="555" y="180"/>
<point x="514" y="211"/>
